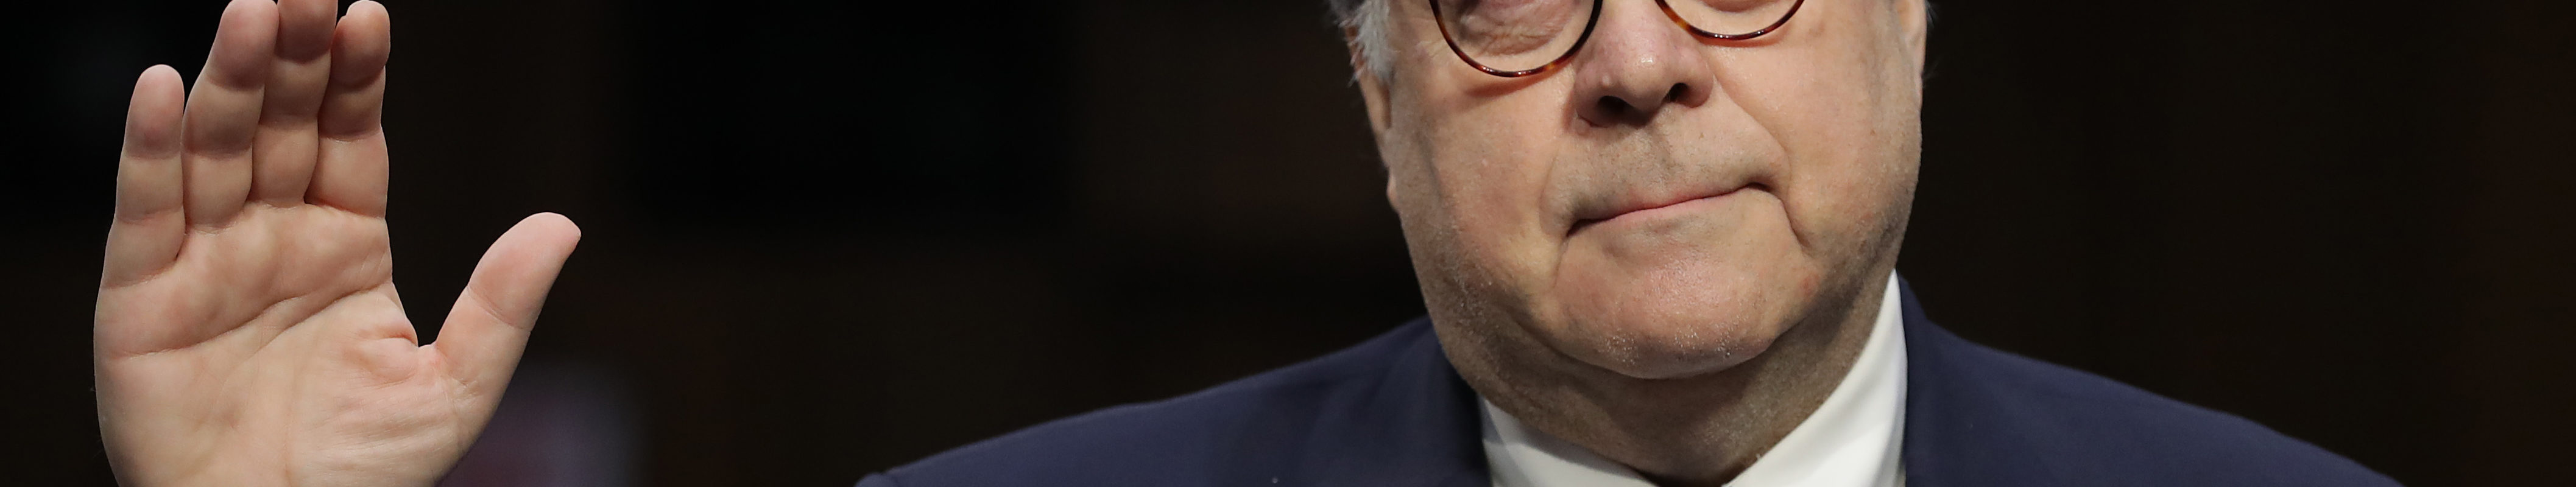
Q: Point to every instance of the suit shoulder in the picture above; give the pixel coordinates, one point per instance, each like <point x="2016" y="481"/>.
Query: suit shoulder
<point x="2089" y="427"/>
<point x="1256" y="424"/>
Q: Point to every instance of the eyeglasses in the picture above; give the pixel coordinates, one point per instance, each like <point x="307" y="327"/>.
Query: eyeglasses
<point x="1514" y="38"/>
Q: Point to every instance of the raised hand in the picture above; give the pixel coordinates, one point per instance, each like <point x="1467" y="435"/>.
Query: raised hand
<point x="248" y="333"/>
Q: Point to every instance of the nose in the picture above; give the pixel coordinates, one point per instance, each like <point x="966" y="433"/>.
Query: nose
<point x="1638" y="64"/>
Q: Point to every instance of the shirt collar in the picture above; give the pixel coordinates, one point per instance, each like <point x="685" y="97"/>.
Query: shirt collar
<point x="1851" y="441"/>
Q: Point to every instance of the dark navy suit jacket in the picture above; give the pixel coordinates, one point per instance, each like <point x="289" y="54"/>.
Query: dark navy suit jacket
<point x="1391" y="412"/>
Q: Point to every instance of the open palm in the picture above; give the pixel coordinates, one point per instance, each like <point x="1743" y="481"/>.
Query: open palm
<point x="248" y="332"/>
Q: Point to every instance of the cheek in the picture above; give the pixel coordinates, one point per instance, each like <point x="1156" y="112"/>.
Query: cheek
<point x="1845" y="125"/>
<point x="1487" y="166"/>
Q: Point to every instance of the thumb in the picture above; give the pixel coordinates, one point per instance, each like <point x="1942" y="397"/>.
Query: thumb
<point x="487" y="329"/>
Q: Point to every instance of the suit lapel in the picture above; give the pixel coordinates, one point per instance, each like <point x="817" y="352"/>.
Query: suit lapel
<point x="1418" y="428"/>
<point x="1955" y="433"/>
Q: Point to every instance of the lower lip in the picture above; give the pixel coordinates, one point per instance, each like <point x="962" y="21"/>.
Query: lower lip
<point x="1685" y="206"/>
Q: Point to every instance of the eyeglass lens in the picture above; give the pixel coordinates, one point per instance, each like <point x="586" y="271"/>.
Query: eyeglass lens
<point x="1518" y="35"/>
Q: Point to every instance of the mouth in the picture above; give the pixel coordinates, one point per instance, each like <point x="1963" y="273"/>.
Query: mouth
<point x="1642" y="208"/>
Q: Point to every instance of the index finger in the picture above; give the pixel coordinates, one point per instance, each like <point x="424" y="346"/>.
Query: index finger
<point x="149" y="226"/>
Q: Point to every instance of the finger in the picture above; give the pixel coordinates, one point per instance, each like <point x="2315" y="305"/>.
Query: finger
<point x="489" y="326"/>
<point x="284" y="146"/>
<point x="351" y="171"/>
<point x="149" y="225"/>
<point x="223" y="110"/>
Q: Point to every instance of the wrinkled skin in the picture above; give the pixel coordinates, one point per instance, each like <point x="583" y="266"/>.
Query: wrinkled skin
<point x="1669" y="249"/>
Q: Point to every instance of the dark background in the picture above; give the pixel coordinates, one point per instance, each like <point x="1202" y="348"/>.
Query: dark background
<point x="822" y="240"/>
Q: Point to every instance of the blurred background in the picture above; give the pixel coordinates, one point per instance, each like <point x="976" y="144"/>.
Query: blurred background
<point x="826" y="239"/>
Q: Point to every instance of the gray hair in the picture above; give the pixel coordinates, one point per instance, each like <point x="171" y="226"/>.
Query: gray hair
<point x="1366" y="21"/>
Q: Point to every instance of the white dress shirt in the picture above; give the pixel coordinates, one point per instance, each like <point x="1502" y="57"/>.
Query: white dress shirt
<point x="1850" y="441"/>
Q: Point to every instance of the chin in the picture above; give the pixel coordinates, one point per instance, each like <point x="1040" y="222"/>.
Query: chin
<point x="1670" y="350"/>
<point x="1685" y="321"/>
<point x="1674" y="341"/>
<point x="1668" y="313"/>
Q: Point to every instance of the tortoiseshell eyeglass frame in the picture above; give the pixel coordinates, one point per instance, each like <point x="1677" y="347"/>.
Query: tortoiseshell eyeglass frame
<point x="1438" y="18"/>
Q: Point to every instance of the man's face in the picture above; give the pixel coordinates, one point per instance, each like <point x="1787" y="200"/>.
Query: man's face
<point x="1663" y="205"/>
